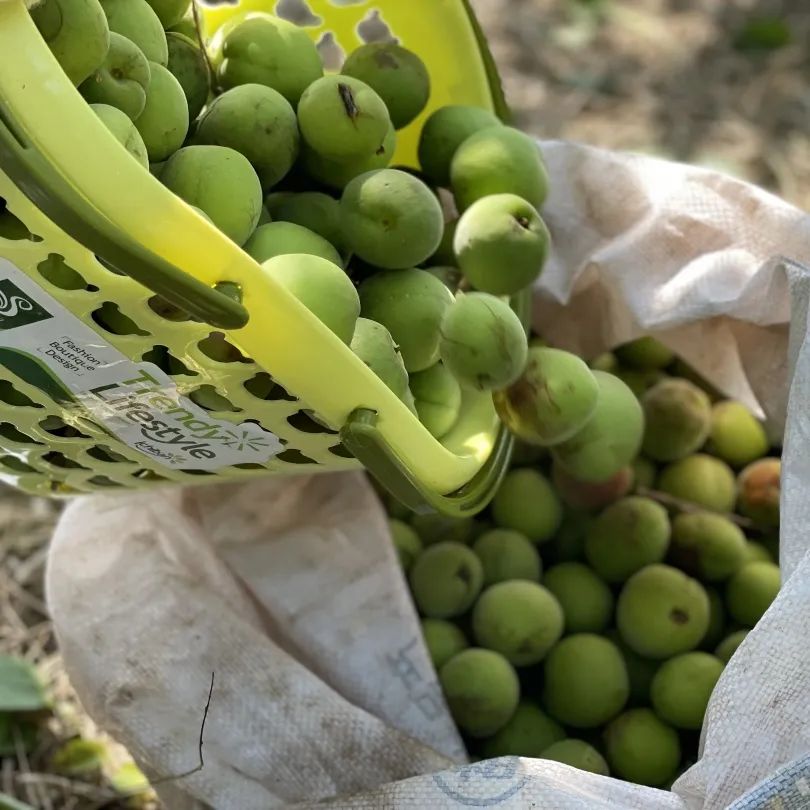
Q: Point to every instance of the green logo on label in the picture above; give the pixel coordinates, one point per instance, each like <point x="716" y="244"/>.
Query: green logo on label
<point x="17" y="309"/>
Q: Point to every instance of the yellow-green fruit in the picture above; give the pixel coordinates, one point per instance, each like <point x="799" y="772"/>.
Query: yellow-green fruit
<point x="398" y="75"/>
<point x="501" y="244"/>
<point x="10" y="227"/>
<point x="642" y="749"/>
<point x="700" y="479"/>
<point x="586" y="601"/>
<point x="553" y="398"/>
<point x="187" y="64"/>
<point x="717" y="620"/>
<point x="610" y="439"/>
<point x="77" y="33"/>
<point x="170" y="12"/>
<point x="137" y="21"/>
<point x="585" y="682"/>
<point x="437" y="396"/>
<point x="628" y="535"/>
<point x="220" y="182"/>
<point x="265" y="49"/>
<point x="527" y="503"/>
<point x="186" y="26"/>
<point x="645" y="353"/>
<point x="482" y="690"/>
<point x="605" y="362"/>
<point x="736" y="435"/>
<point x="163" y="124"/>
<point x="55" y="270"/>
<point x="284" y="238"/>
<point x="756" y="552"/>
<point x="760" y="488"/>
<point x="728" y="646"/>
<point x="122" y="80"/>
<point x="435" y="528"/>
<point x="751" y="590"/>
<point x="322" y="287"/>
<point x="577" y="754"/>
<point x="406" y="543"/>
<point x="310" y="209"/>
<point x="639" y="382"/>
<point x="640" y="671"/>
<point x="411" y="305"/>
<point x="373" y="344"/>
<point x="662" y="612"/>
<point x="707" y="545"/>
<point x="591" y="496"/>
<point x="519" y="619"/>
<point x="498" y="160"/>
<point x="644" y="473"/>
<point x="678" y="417"/>
<point x="124" y="131"/>
<point x="483" y="342"/>
<point x="682" y="687"/>
<point x="527" y="734"/>
<point x="391" y="219"/>
<point x="445" y="580"/>
<point x="443" y="640"/>
<point x="444" y="131"/>
<point x="506" y="554"/>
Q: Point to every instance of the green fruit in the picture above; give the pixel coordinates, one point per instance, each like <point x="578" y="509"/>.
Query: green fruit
<point x="611" y="437"/>
<point x="751" y="590"/>
<point x="700" y="479"/>
<point x="586" y="681"/>
<point x="640" y="671"/>
<point x="221" y="183"/>
<point x="186" y="26"/>
<point x="728" y="646"/>
<point x="12" y="228"/>
<point x="527" y="503"/>
<point x="605" y="362"/>
<point x="577" y="754"/>
<point x="310" y="209"/>
<point x="553" y="398"/>
<point x="135" y="20"/>
<point x="717" y="620"/>
<point x="482" y="690"/>
<point x="501" y="244"/>
<point x="525" y="455"/>
<point x="445" y="580"/>
<point x="264" y="49"/>
<point x="483" y="342"/>
<point x="373" y="344"/>
<point x="435" y="528"/>
<point x="662" y="612"/>
<point x="519" y="619"/>
<point x="639" y="382"/>
<point x="627" y="536"/>
<point x="438" y="399"/>
<point x="258" y="122"/>
<point x="124" y="131"/>
<point x="527" y="734"/>
<point x="641" y="748"/>
<point x="391" y="219"/>
<point x="707" y="545"/>
<point x="170" y="12"/>
<point x="586" y="601"/>
<point x="736" y="435"/>
<point x="498" y="160"/>
<point x="122" y="80"/>
<point x="760" y="490"/>
<point x="506" y="554"/>
<point x="58" y="273"/>
<point x="443" y="640"/>
<point x="285" y="238"/>
<point x="398" y="75"/>
<point x="756" y="552"/>
<point x="187" y="64"/>
<point x="163" y="124"/>
<point x="411" y="305"/>
<point x="678" y="417"/>
<point x="445" y="256"/>
<point x="569" y="540"/>
<point x="682" y="687"/>
<point x="449" y="276"/>
<point x="644" y="473"/>
<point x="77" y="33"/>
<point x="444" y="131"/>
<point x="645" y="354"/>
<point x="406" y="543"/>
<point x="590" y="496"/>
<point x="322" y="287"/>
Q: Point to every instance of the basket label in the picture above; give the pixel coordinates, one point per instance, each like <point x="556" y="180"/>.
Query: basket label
<point x="49" y="347"/>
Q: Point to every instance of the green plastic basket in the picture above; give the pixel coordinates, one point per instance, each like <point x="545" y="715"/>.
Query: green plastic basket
<point x="193" y="386"/>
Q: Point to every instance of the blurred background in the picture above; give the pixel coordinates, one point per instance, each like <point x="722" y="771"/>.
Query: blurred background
<point x="720" y="83"/>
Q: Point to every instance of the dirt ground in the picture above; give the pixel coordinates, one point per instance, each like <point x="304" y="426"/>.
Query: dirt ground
<point x="659" y="76"/>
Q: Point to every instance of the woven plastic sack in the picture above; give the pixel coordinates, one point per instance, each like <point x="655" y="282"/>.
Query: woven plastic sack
<point x="290" y="593"/>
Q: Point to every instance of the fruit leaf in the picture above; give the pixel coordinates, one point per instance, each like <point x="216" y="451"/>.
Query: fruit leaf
<point x="16" y="730"/>
<point x="9" y="803"/>
<point x="20" y="688"/>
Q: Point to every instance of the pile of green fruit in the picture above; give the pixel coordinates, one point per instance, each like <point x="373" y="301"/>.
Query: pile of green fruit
<point x="413" y="269"/>
<point x="586" y="618"/>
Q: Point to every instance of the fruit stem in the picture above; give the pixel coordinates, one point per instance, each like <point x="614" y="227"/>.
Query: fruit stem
<point x="679" y="505"/>
<point x="212" y="76"/>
